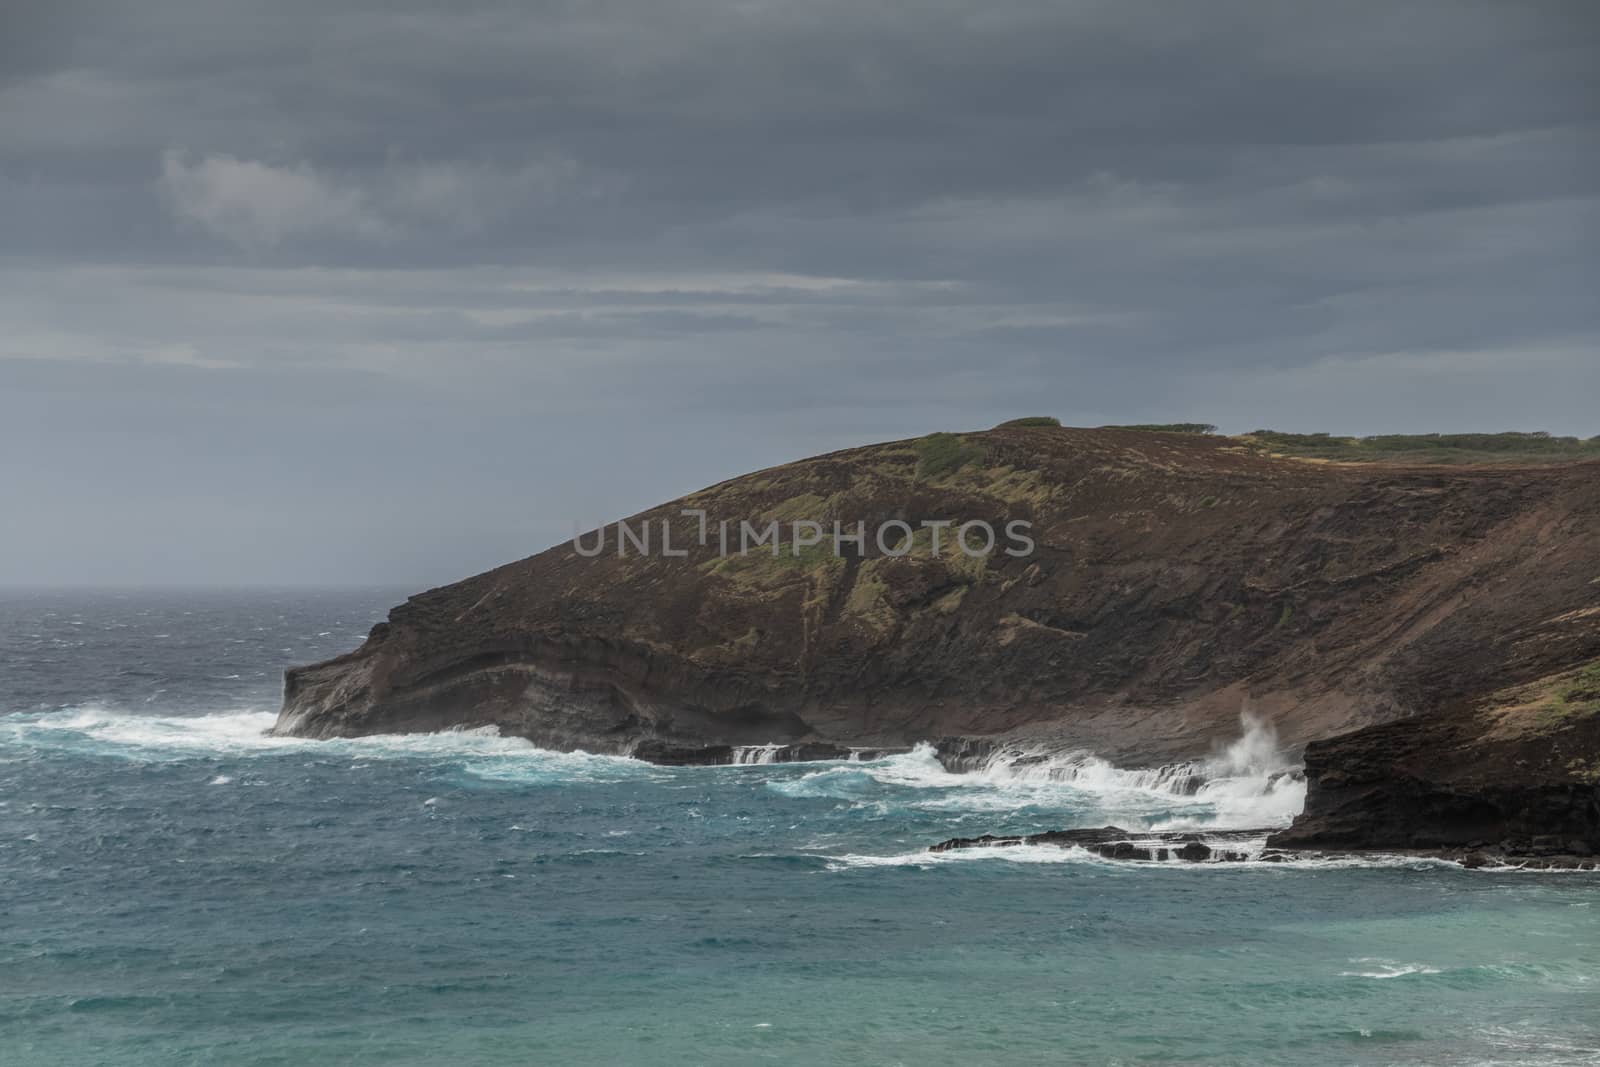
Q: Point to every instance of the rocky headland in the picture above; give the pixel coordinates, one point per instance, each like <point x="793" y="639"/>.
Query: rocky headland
<point x="1426" y="634"/>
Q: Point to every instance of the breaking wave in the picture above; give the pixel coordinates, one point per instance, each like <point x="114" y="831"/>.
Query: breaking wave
<point x="1248" y="784"/>
<point x="243" y="734"/>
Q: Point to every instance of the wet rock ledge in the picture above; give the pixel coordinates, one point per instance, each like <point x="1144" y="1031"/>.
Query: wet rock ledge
<point x="1242" y="846"/>
<point x="668" y="754"/>
<point x="1114" y="842"/>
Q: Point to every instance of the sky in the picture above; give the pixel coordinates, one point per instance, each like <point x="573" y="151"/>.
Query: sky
<point x="380" y="292"/>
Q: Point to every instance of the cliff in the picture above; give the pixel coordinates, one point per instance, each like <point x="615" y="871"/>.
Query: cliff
<point x="1175" y="579"/>
<point x="1518" y="775"/>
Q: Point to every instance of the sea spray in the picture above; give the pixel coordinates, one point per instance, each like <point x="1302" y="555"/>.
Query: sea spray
<point x="1249" y="782"/>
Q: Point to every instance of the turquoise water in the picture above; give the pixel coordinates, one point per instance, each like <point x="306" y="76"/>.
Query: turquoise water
<point x="177" y="888"/>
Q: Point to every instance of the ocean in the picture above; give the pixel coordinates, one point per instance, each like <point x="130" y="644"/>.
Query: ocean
<point x="178" y="888"/>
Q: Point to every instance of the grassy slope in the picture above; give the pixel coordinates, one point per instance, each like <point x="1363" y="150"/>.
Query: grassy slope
<point x="1514" y="447"/>
<point x="1429" y="448"/>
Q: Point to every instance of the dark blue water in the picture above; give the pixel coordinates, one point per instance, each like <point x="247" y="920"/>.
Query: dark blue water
<point x="177" y="888"/>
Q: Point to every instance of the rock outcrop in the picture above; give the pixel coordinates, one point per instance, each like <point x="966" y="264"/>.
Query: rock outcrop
<point x="1256" y="846"/>
<point x="1175" y="579"/>
<point x="1518" y="776"/>
<point x="1117" y="843"/>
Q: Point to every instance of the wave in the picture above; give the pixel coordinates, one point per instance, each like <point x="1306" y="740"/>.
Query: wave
<point x="1052" y="854"/>
<point x="95" y="726"/>
<point x="245" y="733"/>
<point x="1381" y="968"/>
<point x="1248" y="784"/>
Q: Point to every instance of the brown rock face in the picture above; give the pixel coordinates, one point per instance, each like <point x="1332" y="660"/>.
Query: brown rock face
<point x="1176" y="579"/>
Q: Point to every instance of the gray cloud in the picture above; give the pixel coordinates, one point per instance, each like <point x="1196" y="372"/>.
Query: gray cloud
<point x="290" y="268"/>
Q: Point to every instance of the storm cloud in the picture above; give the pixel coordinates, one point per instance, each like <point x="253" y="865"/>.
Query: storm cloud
<point x="392" y="292"/>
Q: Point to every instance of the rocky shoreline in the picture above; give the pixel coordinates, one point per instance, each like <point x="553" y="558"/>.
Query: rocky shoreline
<point x="1116" y="843"/>
<point x="667" y="754"/>
<point x="1255" y="846"/>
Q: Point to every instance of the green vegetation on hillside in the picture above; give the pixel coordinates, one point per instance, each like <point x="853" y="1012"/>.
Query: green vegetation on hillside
<point x="944" y="453"/>
<point x="941" y="453"/>
<point x="1583" y="689"/>
<point x="1576" y="696"/>
<point x="1167" y="427"/>
<point x="1537" y="446"/>
<point x="1555" y="702"/>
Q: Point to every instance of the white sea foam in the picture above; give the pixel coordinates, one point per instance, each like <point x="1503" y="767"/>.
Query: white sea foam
<point x="244" y="733"/>
<point x="1379" y="968"/>
<point x="153" y="737"/>
<point x="925" y="859"/>
<point x="1052" y="854"/>
<point x="1248" y="784"/>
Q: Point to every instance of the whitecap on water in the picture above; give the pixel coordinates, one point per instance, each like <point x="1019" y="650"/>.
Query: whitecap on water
<point x="1378" y="968"/>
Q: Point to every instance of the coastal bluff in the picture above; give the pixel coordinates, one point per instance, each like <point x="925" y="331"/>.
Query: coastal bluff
<point x="1172" y="580"/>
